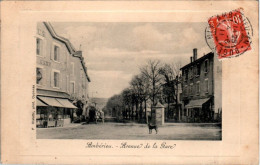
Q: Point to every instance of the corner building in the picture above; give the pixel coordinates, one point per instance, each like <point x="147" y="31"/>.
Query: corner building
<point x="202" y="89"/>
<point x="61" y="78"/>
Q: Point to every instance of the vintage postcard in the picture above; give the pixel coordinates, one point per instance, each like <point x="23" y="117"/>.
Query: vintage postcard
<point x="129" y="82"/>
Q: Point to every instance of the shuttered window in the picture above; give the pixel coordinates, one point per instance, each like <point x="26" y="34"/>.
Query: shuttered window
<point x="39" y="46"/>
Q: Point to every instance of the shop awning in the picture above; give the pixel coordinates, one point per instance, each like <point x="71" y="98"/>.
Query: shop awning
<point x="66" y="103"/>
<point x="50" y="101"/>
<point x="196" y="103"/>
<point x="40" y="103"/>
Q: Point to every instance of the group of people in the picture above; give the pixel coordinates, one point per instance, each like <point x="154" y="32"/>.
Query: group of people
<point x="93" y="114"/>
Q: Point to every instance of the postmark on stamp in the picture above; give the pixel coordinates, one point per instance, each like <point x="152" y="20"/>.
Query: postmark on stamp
<point x="229" y="34"/>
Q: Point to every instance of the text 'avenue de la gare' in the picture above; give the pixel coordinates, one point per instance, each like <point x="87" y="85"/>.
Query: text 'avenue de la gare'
<point x="126" y="145"/>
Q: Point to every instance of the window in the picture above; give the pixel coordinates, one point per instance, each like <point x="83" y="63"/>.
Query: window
<point x="185" y="92"/>
<point x="72" y="87"/>
<point x="186" y="75"/>
<point x="198" y="88"/>
<point x="206" y="85"/>
<point x="198" y="69"/>
<point x="191" y="89"/>
<point x="56" y="79"/>
<point x="56" y="53"/>
<point x="39" y="76"/>
<point x="191" y="72"/>
<point x="195" y="70"/>
<point x="39" y="46"/>
<point x="206" y="66"/>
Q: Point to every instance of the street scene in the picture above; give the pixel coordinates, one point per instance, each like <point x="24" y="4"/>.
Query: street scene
<point x="127" y="81"/>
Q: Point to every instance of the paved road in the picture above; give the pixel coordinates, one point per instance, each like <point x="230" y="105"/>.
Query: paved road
<point x="133" y="131"/>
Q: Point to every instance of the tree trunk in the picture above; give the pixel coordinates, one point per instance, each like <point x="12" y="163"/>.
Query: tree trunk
<point x="145" y="112"/>
<point x="132" y="115"/>
<point x="168" y="100"/>
<point x="141" y="111"/>
<point x="136" y="111"/>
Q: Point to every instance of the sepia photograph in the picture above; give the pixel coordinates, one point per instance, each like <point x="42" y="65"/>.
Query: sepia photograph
<point x="128" y="81"/>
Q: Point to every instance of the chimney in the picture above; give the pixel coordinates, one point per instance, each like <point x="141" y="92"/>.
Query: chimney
<point x="190" y="59"/>
<point x="194" y="54"/>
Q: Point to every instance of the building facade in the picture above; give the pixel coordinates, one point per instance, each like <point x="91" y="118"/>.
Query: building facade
<point x="61" y="78"/>
<point x="202" y="84"/>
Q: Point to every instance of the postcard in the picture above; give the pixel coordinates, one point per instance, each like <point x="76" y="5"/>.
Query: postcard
<point x="129" y="82"/>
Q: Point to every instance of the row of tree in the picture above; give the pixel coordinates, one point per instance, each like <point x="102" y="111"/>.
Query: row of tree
<point x="156" y="81"/>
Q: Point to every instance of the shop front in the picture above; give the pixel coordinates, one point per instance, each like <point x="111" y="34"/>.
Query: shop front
<point x="53" y="112"/>
<point x="198" y="110"/>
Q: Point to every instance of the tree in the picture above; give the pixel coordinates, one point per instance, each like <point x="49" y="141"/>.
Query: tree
<point x="114" y="105"/>
<point x="151" y="73"/>
<point x="127" y="101"/>
<point x="171" y="74"/>
<point x="139" y="86"/>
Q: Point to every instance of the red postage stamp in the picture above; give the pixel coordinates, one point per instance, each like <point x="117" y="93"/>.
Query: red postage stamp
<point x="231" y="33"/>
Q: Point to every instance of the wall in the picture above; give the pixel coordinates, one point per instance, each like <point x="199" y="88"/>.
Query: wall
<point x="48" y="64"/>
<point x="217" y="84"/>
<point x="64" y="66"/>
<point x="201" y="79"/>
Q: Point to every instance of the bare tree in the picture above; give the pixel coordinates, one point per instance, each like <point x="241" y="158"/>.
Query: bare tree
<point x="151" y="72"/>
<point x="171" y="74"/>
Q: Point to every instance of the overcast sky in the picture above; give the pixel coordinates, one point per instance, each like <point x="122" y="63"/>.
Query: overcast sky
<point x="114" y="52"/>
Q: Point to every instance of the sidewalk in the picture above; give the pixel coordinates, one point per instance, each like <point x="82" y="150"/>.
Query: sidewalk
<point x="194" y="124"/>
<point x="166" y="124"/>
<point x="71" y="125"/>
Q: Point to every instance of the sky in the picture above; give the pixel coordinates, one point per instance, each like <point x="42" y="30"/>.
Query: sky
<point x="114" y="52"/>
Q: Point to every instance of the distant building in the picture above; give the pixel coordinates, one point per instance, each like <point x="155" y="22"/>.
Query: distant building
<point x="62" y="77"/>
<point x="202" y="84"/>
<point x="171" y="94"/>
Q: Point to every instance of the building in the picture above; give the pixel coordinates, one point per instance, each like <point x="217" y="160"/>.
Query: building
<point x="61" y="78"/>
<point x="171" y="100"/>
<point x="202" y="84"/>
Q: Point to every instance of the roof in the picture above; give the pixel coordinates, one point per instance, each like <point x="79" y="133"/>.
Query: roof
<point x="198" y="60"/>
<point x="196" y="103"/>
<point x="69" y="46"/>
<point x="51" y="93"/>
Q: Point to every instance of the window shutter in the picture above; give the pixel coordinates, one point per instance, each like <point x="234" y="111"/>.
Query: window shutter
<point x="52" y="51"/>
<point x="60" y="81"/>
<point x="43" y="47"/>
<point x="52" y="79"/>
<point x="44" y="79"/>
<point x="60" y="54"/>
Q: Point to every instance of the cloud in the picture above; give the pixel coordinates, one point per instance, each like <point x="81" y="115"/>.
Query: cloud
<point x="86" y="36"/>
<point x="147" y="37"/>
<point x="189" y="36"/>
